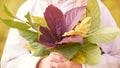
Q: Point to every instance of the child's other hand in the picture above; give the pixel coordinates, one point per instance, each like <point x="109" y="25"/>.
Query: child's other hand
<point x="56" y="60"/>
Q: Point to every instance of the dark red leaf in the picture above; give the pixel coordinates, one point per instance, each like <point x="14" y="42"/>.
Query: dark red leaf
<point x="53" y="17"/>
<point x="46" y="38"/>
<point x="71" y="39"/>
<point x="72" y="17"/>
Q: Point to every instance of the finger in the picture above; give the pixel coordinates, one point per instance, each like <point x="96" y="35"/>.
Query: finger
<point x="57" y="54"/>
<point x="56" y="57"/>
<point x="44" y="63"/>
<point x="55" y="65"/>
<point x="60" y="65"/>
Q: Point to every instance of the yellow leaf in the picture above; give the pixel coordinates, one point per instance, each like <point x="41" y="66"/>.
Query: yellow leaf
<point x="29" y="48"/>
<point x="81" y="29"/>
<point x="79" y="58"/>
<point x="39" y="21"/>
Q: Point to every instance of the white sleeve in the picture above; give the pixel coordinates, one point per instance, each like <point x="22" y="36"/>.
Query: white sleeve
<point x="111" y="56"/>
<point x="14" y="54"/>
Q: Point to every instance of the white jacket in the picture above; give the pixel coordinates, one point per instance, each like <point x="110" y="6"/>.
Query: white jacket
<point x="16" y="56"/>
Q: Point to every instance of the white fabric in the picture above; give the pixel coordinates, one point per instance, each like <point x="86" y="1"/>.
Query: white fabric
<point x="25" y="61"/>
<point x="16" y="56"/>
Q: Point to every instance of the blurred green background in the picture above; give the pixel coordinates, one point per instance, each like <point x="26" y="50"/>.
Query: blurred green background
<point x="113" y="6"/>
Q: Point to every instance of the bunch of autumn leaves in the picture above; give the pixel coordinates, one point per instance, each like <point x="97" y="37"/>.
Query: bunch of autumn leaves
<point x="70" y="27"/>
<point x="72" y="30"/>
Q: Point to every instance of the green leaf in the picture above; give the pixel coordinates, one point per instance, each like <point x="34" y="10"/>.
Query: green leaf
<point x="29" y="18"/>
<point x="104" y="35"/>
<point x="28" y="46"/>
<point x="41" y="50"/>
<point x="8" y="12"/>
<point x="68" y="50"/>
<point x="93" y="11"/>
<point x="39" y="21"/>
<point x="92" y="53"/>
<point x="29" y="35"/>
<point x="14" y="24"/>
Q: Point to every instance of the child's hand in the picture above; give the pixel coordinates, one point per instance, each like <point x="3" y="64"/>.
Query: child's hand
<point x="56" y="60"/>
